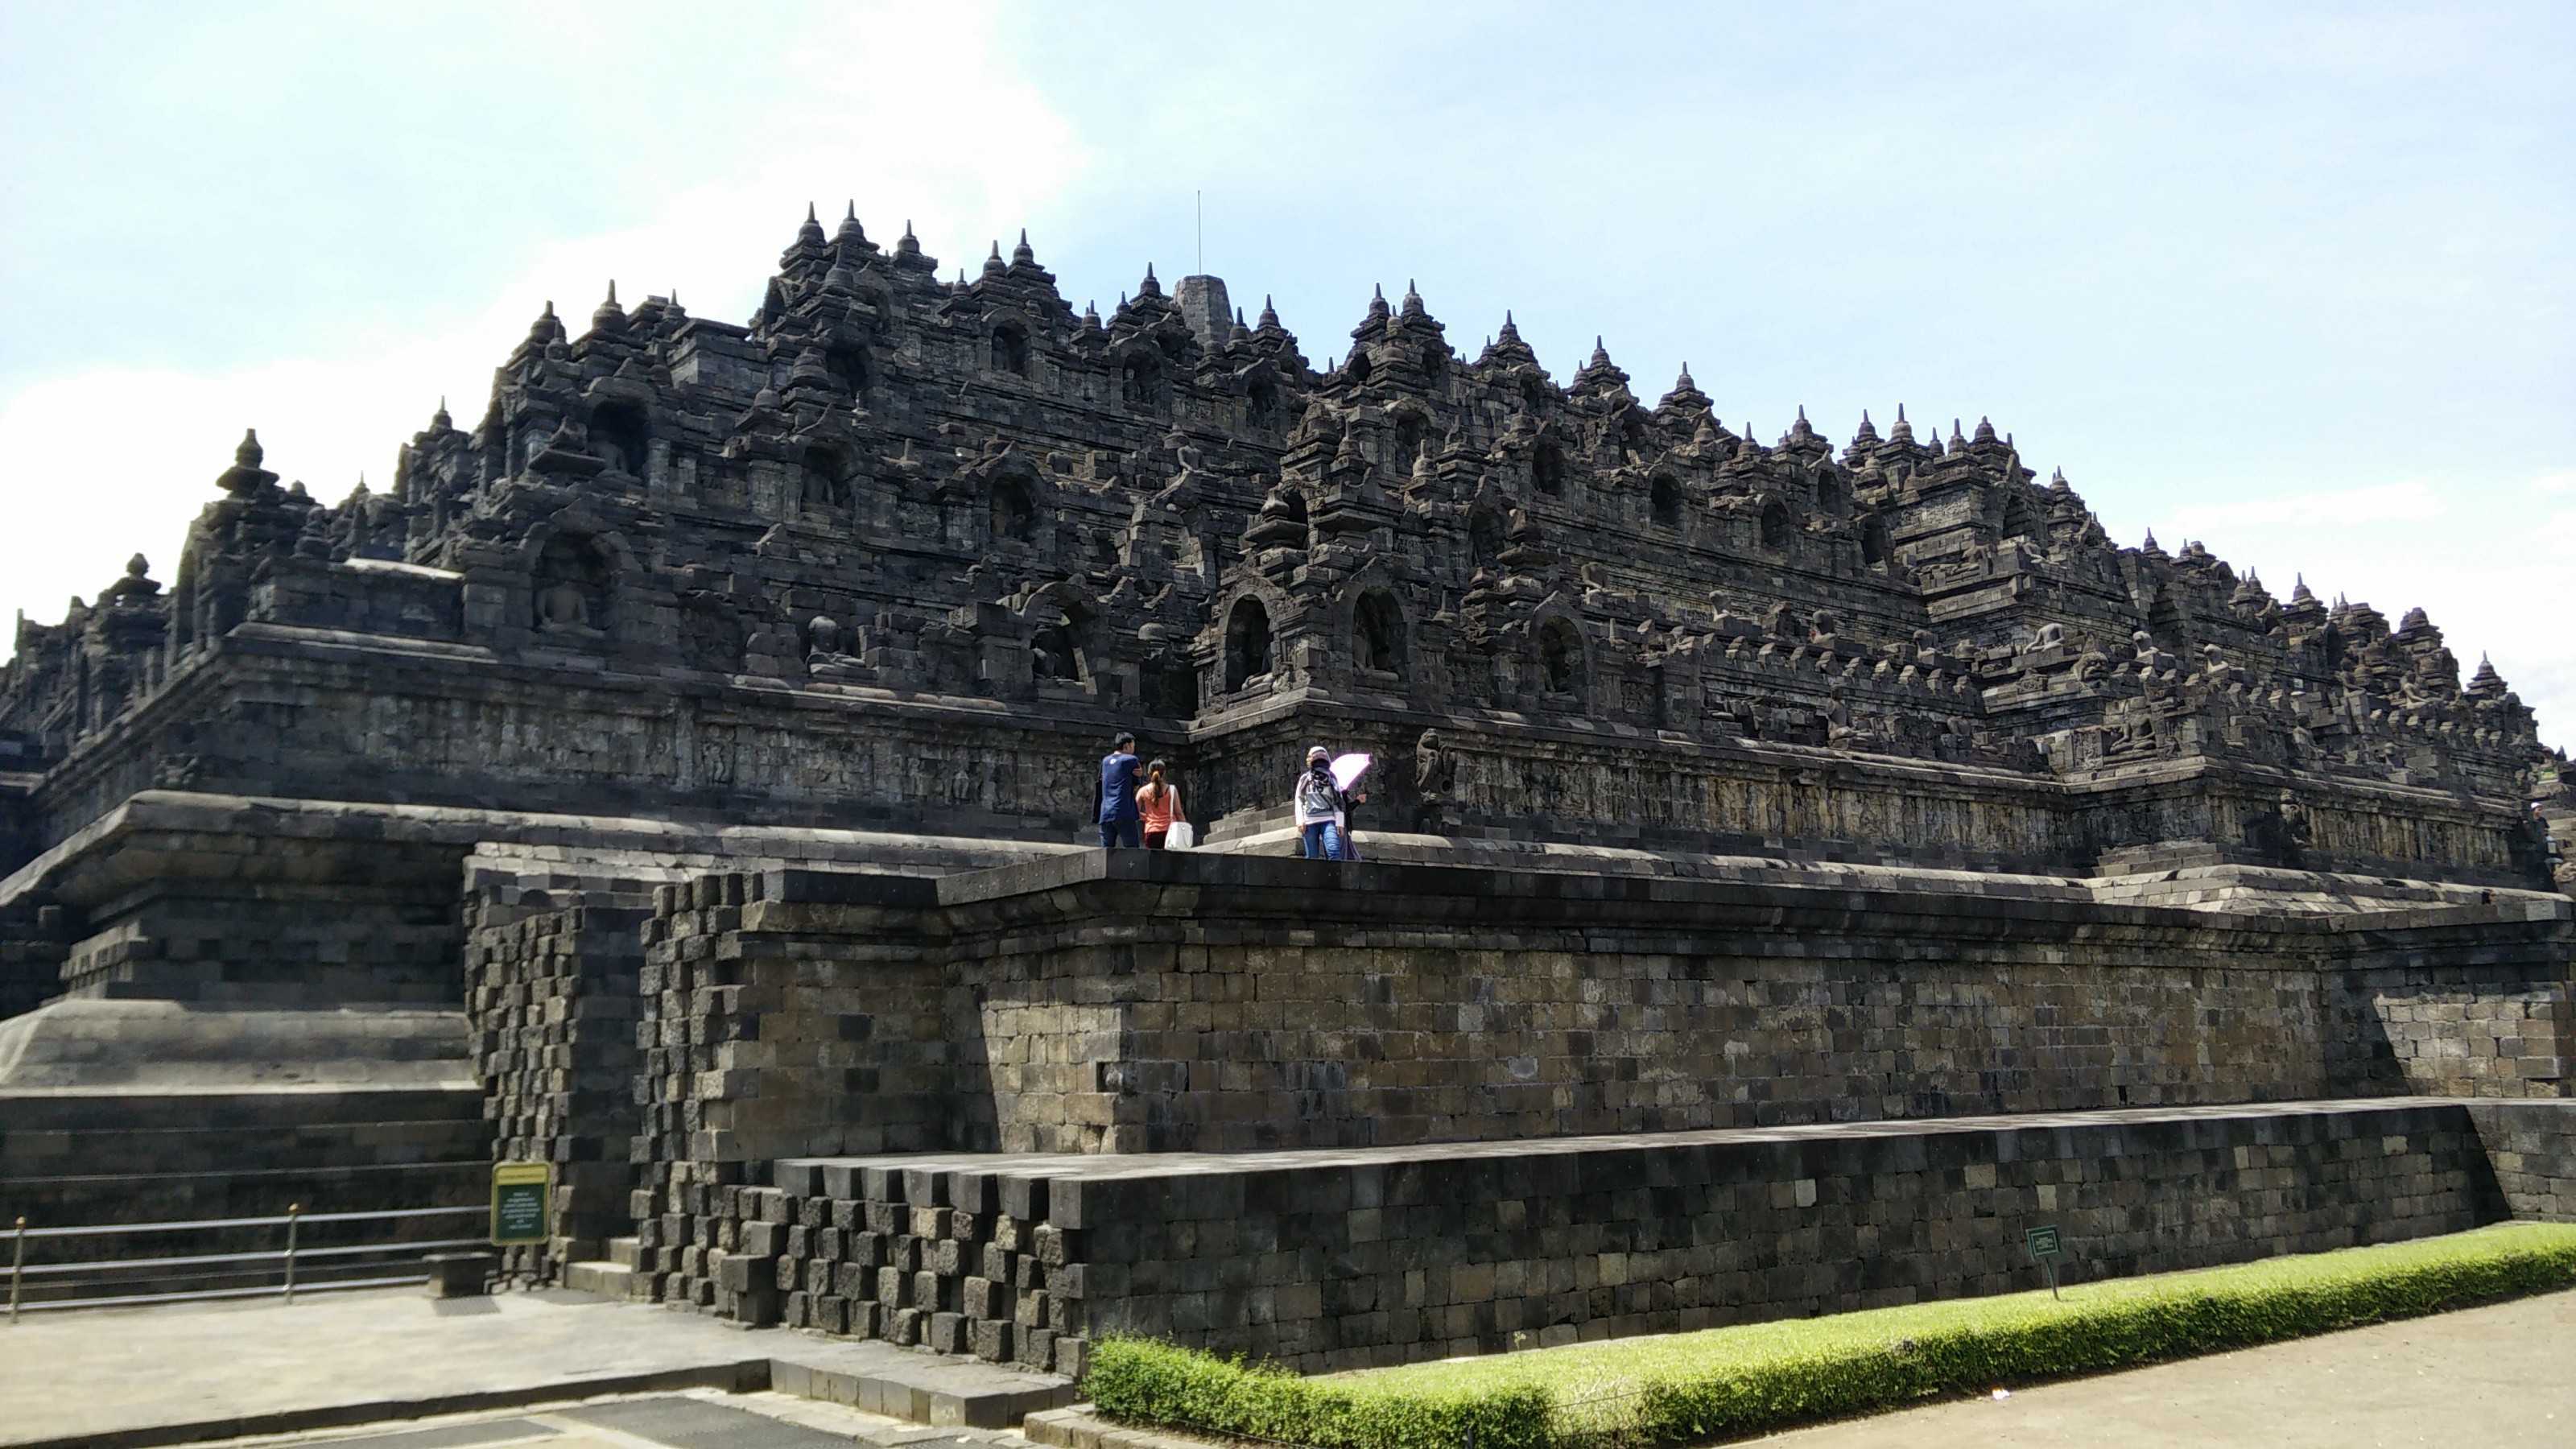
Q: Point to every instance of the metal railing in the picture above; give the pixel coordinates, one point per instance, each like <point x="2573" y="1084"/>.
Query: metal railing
<point x="257" y="1262"/>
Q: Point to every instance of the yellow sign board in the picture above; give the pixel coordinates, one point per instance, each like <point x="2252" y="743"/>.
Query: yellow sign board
<point x="520" y="1192"/>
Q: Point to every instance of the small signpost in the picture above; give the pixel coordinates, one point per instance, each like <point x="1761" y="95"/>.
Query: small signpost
<point x="519" y="1194"/>
<point x="2045" y="1250"/>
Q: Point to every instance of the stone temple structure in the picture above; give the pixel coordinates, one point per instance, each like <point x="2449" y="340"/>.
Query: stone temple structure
<point x="683" y="771"/>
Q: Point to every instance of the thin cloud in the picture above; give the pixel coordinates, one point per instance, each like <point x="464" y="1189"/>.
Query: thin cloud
<point x="133" y="452"/>
<point x="2325" y="507"/>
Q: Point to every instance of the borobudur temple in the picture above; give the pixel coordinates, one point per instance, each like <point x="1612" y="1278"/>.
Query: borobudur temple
<point x="1789" y="868"/>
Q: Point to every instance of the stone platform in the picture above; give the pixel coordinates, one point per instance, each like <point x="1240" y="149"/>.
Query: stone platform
<point x="1340" y="1259"/>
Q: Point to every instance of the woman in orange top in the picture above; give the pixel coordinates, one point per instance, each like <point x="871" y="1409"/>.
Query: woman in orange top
<point x="1157" y="806"/>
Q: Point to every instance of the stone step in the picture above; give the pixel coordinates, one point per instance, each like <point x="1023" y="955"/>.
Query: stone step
<point x="624" y="1252"/>
<point x="901" y="1383"/>
<point x="608" y="1280"/>
<point x="219" y="1111"/>
<point x="73" y="1152"/>
<point x="98" y="1199"/>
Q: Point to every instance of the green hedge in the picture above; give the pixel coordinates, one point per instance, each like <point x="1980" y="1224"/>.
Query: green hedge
<point x="1729" y="1382"/>
<point x="1144" y="1382"/>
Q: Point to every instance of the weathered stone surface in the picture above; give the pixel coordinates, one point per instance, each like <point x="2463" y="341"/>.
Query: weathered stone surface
<point x="1342" y="1259"/>
<point x="1143" y="1001"/>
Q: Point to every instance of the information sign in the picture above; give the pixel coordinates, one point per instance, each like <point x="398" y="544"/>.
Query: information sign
<point x="2045" y="1250"/>
<point x="519" y="1194"/>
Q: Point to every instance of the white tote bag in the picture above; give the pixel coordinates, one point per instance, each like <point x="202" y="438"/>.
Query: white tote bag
<point x="1181" y="836"/>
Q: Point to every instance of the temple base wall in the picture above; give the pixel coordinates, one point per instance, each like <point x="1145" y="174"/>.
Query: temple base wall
<point x="1345" y="1260"/>
<point x="1147" y="1002"/>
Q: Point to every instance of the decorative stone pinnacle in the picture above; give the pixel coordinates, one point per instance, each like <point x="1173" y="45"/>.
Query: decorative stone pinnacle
<point x="249" y="454"/>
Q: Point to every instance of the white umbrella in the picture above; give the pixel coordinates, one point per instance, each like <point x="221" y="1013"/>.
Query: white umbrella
<point x="1348" y="768"/>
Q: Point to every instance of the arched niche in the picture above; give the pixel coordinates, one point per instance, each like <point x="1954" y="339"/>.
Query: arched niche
<point x="1377" y="633"/>
<point x="1010" y="349"/>
<point x="848" y="363"/>
<point x="2020" y="519"/>
<point x="1247" y="643"/>
<point x="1547" y="467"/>
<point x="569" y="589"/>
<point x="1011" y="509"/>
<point x="1775" y="525"/>
<point x="1485" y="534"/>
<point x="1412" y="429"/>
<point x="1874" y="547"/>
<point x="620" y="436"/>
<point x="1560" y="658"/>
<point x="1664" y="500"/>
<point x="824" y="478"/>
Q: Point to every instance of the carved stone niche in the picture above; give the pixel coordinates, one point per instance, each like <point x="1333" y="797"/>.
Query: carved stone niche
<point x="1247" y="644"/>
<point x="569" y="592"/>
<point x="1377" y="634"/>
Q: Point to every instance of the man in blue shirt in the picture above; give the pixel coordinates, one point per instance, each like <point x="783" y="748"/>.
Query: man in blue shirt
<point x="1119" y="772"/>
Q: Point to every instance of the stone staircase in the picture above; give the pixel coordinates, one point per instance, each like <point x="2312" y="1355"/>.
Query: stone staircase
<point x="91" y="1159"/>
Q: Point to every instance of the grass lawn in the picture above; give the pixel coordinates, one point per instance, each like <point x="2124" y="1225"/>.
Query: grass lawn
<point x="1621" y="1364"/>
<point x="1678" y="1388"/>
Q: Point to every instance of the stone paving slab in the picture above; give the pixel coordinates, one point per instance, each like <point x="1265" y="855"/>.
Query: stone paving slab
<point x="190" y="1372"/>
<point x="694" y="1419"/>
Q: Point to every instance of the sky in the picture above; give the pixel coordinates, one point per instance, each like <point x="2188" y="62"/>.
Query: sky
<point x="2291" y="280"/>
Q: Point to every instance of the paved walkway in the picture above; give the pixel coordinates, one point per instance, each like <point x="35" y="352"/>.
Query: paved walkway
<point x="220" y="1369"/>
<point x="2497" y="1377"/>
<point x="700" y="1419"/>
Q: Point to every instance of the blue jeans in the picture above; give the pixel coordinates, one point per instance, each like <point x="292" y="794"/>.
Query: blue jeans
<point x="1129" y="833"/>
<point x="1320" y="841"/>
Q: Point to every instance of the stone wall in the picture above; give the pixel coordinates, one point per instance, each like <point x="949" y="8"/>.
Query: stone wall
<point x="2531" y="1147"/>
<point x="2458" y="1013"/>
<point x="552" y="999"/>
<point x="1339" y="1260"/>
<point x="1137" y="1001"/>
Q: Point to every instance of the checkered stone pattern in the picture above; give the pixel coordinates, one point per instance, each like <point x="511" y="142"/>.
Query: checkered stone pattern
<point x="1327" y="1261"/>
<point x="551" y="995"/>
<point x="958" y="1261"/>
<point x="759" y="1043"/>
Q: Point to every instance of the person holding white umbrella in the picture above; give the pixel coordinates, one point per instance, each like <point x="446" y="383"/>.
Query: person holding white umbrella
<point x="1322" y="797"/>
